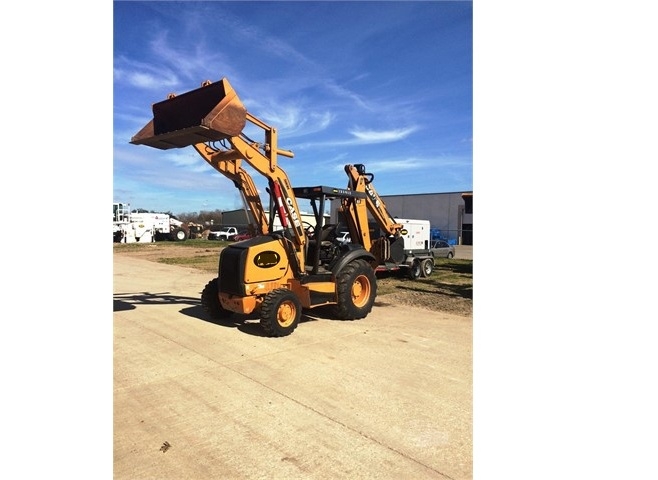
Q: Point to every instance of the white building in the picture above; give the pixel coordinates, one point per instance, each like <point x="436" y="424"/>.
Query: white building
<point x="240" y="218"/>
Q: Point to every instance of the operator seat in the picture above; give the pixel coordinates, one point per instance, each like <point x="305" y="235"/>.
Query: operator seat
<point x="322" y="239"/>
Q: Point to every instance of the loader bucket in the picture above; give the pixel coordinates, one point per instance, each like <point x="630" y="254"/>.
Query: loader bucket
<point x="210" y="113"/>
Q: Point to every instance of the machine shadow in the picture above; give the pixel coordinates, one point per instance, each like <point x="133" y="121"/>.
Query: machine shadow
<point x="248" y="324"/>
<point x="130" y="301"/>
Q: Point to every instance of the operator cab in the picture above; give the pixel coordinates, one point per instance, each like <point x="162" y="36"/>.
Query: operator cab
<point x="323" y="246"/>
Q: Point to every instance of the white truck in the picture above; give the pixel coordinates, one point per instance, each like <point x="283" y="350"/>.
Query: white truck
<point x="224" y="233"/>
<point x="132" y="227"/>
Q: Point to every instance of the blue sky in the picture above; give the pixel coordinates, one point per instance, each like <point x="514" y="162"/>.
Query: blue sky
<point x="386" y="84"/>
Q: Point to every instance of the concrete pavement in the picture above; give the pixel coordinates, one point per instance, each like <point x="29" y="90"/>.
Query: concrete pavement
<point x="388" y="396"/>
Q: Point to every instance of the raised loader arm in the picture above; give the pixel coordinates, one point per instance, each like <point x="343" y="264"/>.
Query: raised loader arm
<point x="212" y="115"/>
<point x="232" y="169"/>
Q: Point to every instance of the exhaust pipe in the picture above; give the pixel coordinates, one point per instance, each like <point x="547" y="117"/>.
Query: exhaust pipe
<point x="210" y="113"/>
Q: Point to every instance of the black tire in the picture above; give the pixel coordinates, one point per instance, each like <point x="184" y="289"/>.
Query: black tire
<point x="178" y="235"/>
<point x="414" y="271"/>
<point x="450" y="255"/>
<point x="356" y="288"/>
<point x="210" y="301"/>
<point x="280" y="312"/>
<point x="427" y="267"/>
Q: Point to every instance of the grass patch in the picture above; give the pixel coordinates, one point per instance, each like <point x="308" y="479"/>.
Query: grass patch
<point x="207" y="263"/>
<point x="457" y="272"/>
<point x="165" y="245"/>
<point x="448" y="274"/>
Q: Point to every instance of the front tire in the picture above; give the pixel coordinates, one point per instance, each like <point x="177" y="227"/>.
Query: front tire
<point x="356" y="288"/>
<point x="280" y="312"/>
<point x="210" y="300"/>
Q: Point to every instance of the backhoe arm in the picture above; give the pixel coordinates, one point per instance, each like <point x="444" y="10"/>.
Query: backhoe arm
<point x="360" y="181"/>
<point x="356" y="214"/>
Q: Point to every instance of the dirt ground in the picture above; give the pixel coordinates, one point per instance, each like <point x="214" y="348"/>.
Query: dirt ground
<point x="431" y="293"/>
<point x="434" y="297"/>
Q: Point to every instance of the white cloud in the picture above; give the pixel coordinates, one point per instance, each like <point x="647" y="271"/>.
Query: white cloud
<point x="294" y="121"/>
<point x="396" y="165"/>
<point x="144" y="76"/>
<point x="373" y="136"/>
<point x="363" y="137"/>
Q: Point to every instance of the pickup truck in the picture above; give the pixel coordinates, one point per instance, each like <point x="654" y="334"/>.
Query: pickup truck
<point x="224" y="233"/>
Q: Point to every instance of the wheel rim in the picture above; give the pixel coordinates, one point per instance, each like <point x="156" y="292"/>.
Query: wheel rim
<point x="286" y="314"/>
<point x="360" y="290"/>
<point x="428" y="268"/>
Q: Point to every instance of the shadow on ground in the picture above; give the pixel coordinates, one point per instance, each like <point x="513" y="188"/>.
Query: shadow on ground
<point x="249" y="324"/>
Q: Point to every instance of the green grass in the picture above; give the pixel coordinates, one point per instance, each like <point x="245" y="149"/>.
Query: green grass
<point x="164" y="245"/>
<point x="449" y="274"/>
<point x="457" y="272"/>
<point x="206" y="257"/>
<point x="201" y="262"/>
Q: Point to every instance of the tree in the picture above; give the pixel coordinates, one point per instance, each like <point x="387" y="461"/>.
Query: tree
<point x="204" y="217"/>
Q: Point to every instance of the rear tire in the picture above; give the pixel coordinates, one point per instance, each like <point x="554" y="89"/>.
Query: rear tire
<point x="427" y="267"/>
<point x="210" y="300"/>
<point x="280" y="312"/>
<point x="450" y="255"/>
<point x="414" y="270"/>
<point x="356" y="288"/>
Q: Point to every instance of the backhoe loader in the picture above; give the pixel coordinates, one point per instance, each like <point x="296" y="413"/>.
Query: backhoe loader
<point x="279" y="273"/>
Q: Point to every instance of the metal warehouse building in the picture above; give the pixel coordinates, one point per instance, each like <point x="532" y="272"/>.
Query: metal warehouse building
<point x="450" y="214"/>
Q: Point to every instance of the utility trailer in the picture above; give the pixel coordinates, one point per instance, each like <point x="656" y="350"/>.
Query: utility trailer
<point x="410" y="251"/>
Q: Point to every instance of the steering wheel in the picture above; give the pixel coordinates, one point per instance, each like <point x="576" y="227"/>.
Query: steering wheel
<point x="309" y="229"/>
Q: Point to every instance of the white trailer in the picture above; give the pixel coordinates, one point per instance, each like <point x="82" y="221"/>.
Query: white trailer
<point x="410" y="252"/>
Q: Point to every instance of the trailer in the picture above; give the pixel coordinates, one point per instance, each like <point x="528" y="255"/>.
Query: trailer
<point x="411" y="251"/>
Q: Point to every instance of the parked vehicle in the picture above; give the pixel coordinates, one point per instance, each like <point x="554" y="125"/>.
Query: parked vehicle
<point x="144" y="227"/>
<point x="244" y="235"/>
<point x="441" y="249"/>
<point x="224" y="233"/>
<point x="344" y="237"/>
